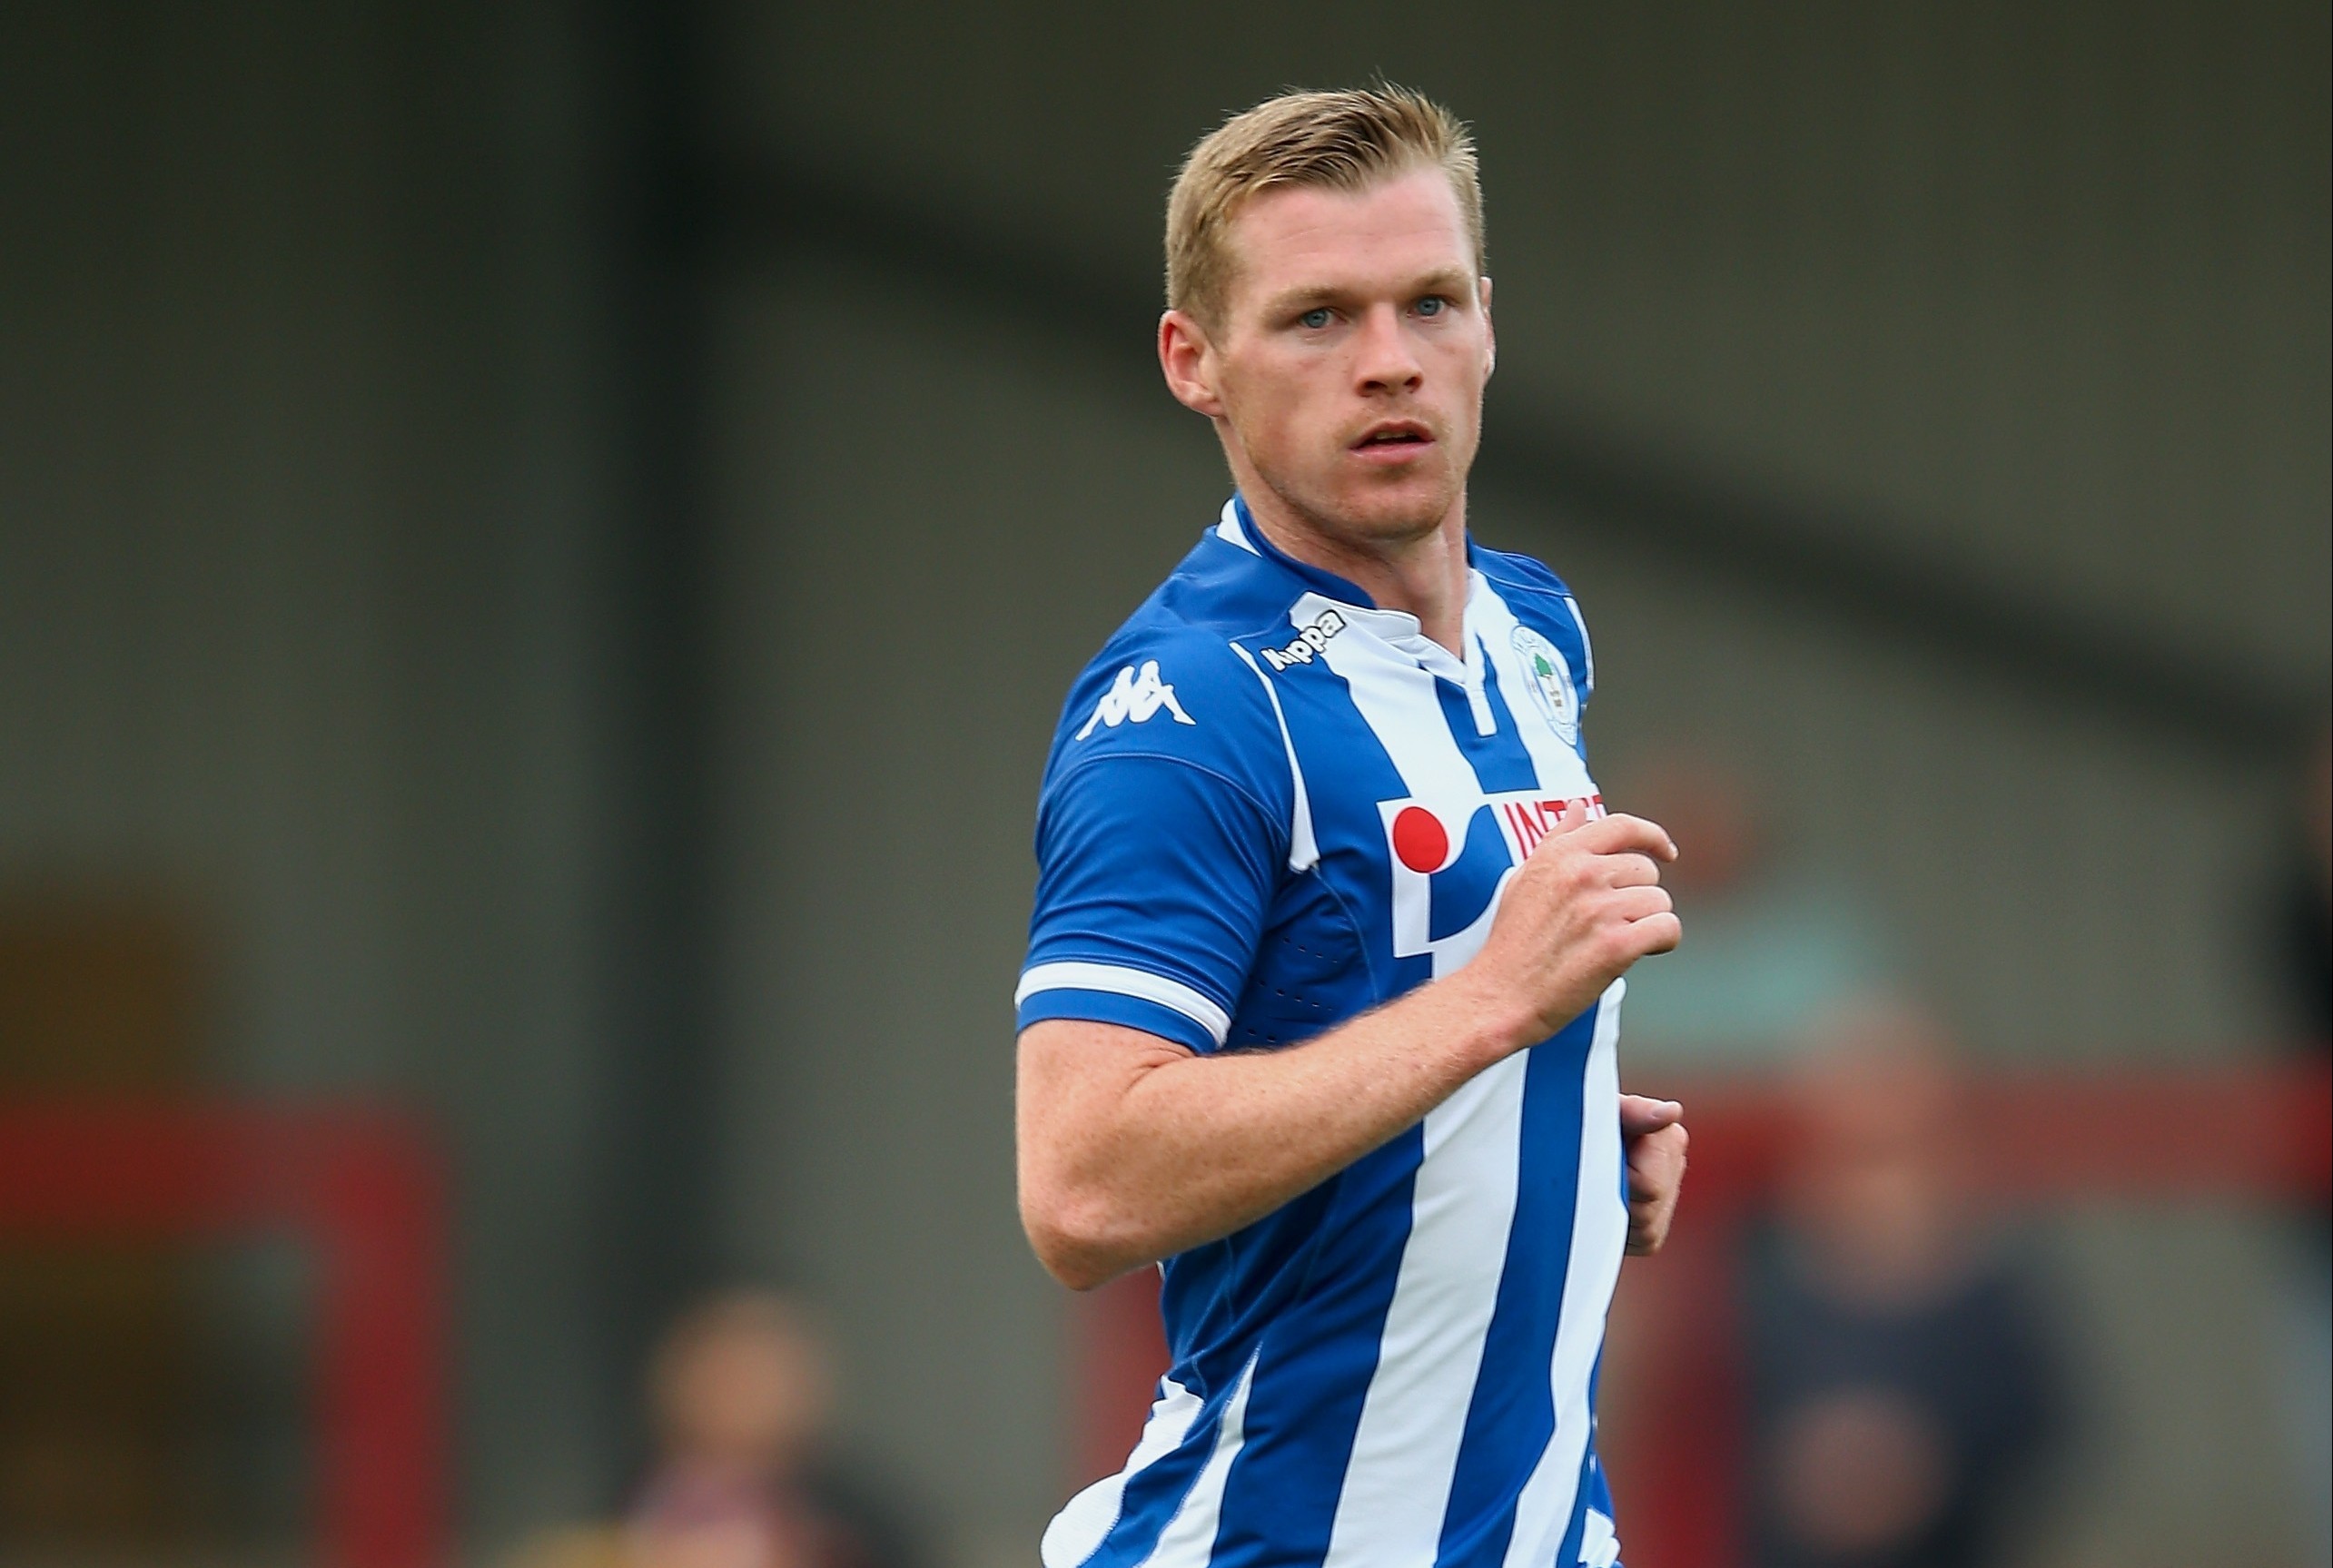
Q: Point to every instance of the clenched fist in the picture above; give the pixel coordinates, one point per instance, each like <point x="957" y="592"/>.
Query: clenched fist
<point x="1586" y="905"/>
<point x="1653" y="1133"/>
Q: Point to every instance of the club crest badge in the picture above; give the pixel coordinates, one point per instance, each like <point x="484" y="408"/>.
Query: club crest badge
<point x="1550" y="683"/>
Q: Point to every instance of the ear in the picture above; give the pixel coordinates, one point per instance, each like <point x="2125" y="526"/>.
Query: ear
<point x="1489" y="332"/>
<point x="1187" y="359"/>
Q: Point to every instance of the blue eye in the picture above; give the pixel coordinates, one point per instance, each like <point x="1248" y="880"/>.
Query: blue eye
<point x="1432" y="305"/>
<point x="1315" y="319"/>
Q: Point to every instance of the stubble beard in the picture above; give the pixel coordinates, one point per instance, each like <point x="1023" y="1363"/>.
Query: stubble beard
<point x="1368" y="519"/>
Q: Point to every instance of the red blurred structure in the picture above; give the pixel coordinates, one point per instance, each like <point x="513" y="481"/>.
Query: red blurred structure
<point x="362" y="1187"/>
<point x="2263" y="1135"/>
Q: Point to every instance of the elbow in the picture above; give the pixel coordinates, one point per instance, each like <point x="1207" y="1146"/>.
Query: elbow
<point x="1081" y="1268"/>
<point x="1081" y="1239"/>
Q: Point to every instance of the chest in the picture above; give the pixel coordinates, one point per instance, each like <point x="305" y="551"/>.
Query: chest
<point x="1422" y="790"/>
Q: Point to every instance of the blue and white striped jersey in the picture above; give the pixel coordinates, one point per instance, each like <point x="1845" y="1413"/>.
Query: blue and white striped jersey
<point x="1272" y="805"/>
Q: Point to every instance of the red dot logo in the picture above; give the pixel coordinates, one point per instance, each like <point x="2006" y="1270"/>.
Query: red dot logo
<point x="1420" y="839"/>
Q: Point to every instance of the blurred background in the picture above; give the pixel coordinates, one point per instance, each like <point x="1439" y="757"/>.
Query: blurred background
<point x="540" y="547"/>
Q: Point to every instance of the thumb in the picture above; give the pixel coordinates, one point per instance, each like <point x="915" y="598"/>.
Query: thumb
<point x="1640" y="1114"/>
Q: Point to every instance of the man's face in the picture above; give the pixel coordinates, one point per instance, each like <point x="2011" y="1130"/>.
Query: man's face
<point x="1348" y="366"/>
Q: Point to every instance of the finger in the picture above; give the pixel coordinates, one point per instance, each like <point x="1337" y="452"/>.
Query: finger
<point x="1622" y="833"/>
<point x="1661" y="1151"/>
<point x="1649" y="1225"/>
<point x="1641" y="1114"/>
<point x="1652" y="1171"/>
<point x="1656" y="1162"/>
<point x="1632" y="870"/>
<point x="1654" y="934"/>
<point x="1638" y="903"/>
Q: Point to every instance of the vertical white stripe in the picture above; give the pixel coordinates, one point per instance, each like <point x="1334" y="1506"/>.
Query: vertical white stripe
<point x="1561" y="773"/>
<point x="1086" y="1521"/>
<point x="1189" y="1539"/>
<point x="1586" y="646"/>
<point x="1599" y="1543"/>
<point x="1486" y="723"/>
<point x="1396" y="700"/>
<point x="1405" y="1450"/>
<point x="1405" y="1447"/>
<point x="1599" y="1238"/>
<point x="1303" y="851"/>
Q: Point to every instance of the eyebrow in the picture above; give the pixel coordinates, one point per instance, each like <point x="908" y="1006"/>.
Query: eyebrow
<point x="1448" y="280"/>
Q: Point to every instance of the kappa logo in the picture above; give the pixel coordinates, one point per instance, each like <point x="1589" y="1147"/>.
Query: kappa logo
<point x="1310" y="646"/>
<point x="1133" y="698"/>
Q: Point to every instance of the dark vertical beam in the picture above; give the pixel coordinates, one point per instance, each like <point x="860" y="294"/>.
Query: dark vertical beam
<point x="655" y="1209"/>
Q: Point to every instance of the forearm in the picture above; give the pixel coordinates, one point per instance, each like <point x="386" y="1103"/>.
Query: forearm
<point x="1168" y="1149"/>
<point x="1131" y="1147"/>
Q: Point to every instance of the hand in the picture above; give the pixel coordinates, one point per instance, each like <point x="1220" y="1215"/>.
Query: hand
<point x="1586" y="905"/>
<point x="1654" y="1132"/>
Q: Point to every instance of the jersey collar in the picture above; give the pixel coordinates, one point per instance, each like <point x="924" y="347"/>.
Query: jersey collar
<point x="1238" y="526"/>
<point x="1398" y="628"/>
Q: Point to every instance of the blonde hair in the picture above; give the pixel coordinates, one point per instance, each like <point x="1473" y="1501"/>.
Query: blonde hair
<point x="1343" y="141"/>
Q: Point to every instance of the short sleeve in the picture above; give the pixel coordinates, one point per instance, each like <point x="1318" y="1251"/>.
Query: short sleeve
<point x="1154" y="877"/>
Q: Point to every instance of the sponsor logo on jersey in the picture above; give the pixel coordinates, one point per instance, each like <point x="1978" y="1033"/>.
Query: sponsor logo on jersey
<point x="1528" y="821"/>
<point x="1309" y="646"/>
<point x="1550" y="683"/>
<point x="1450" y="856"/>
<point x="1420" y="836"/>
<point x="1134" y="698"/>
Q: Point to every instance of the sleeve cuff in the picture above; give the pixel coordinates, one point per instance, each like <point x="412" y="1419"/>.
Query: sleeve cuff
<point x="1112" y="993"/>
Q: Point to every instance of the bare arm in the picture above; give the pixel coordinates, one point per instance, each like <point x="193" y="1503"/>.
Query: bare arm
<point x="1133" y="1148"/>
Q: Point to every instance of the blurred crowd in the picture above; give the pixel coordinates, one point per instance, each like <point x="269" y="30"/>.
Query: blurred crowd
<point x="740" y="1397"/>
<point x="1908" y="1404"/>
<point x="1905" y="1370"/>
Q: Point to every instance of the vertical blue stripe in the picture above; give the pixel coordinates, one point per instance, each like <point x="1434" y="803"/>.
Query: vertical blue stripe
<point x="1319" y="1331"/>
<point x="1513" y="1413"/>
<point x="1334" y="743"/>
<point x="1591" y="1493"/>
<point x="1153" y="1493"/>
<point x="1499" y="758"/>
<point x="1313" y="1370"/>
<point x="1236" y="1287"/>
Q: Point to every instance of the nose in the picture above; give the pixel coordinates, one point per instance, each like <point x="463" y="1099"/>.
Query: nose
<point x="1387" y="361"/>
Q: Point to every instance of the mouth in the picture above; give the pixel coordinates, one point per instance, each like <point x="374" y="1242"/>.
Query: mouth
<point x="1393" y="439"/>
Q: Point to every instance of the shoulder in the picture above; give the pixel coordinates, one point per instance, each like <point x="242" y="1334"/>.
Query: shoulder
<point x="1514" y="575"/>
<point x="1166" y="687"/>
<point x="1543" y="603"/>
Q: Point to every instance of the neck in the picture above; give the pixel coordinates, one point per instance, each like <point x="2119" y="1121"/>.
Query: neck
<point x="1424" y="575"/>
